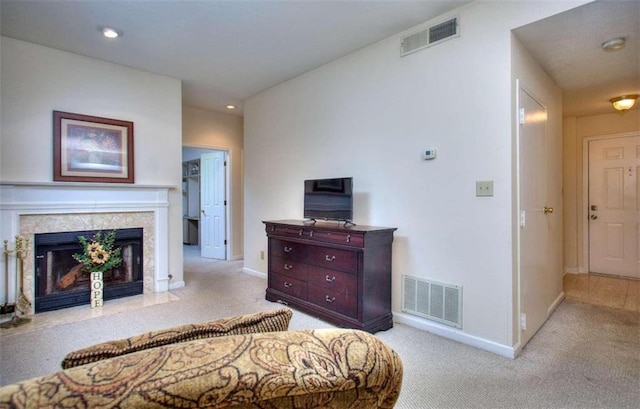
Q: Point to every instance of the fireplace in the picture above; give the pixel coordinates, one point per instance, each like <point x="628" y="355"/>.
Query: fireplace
<point x="59" y="281"/>
<point x="31" y="208"/>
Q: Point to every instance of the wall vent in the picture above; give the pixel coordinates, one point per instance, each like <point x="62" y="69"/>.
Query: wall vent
<point x="431" y="36"/>
<point x="433" y="300"/>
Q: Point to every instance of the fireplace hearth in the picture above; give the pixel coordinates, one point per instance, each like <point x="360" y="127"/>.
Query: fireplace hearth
<point x="59" y="281"/>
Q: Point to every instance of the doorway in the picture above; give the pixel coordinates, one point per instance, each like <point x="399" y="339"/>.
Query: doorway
<point x="612" y="164"/>
<point x="205" y="203"/>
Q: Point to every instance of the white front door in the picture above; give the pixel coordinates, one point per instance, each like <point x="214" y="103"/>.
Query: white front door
<point x="614" y="210"/>
<point x="535" y="265"/>
<point x="213" y="243"/>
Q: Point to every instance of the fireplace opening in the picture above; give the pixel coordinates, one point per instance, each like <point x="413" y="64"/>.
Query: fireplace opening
<point x="59" y="281"/>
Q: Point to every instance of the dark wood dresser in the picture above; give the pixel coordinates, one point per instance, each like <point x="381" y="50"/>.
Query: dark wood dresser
<point x="338" y="273"/>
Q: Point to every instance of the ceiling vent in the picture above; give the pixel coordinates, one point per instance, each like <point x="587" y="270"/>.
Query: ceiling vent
<point x="431" y="36"/>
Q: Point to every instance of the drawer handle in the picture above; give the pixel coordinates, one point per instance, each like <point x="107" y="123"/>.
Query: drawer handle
<point x="288" y="284"/>
<point x="330" y="279"/>
<point x="288" y="249"/>
<point x="282" y="302"/>
<point x="329" y="299"/>
<point x="329" y="258"/>
<point x="348" y="238"/>
<point x="288" y="266"/>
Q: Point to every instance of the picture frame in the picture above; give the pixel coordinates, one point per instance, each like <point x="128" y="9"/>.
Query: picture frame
<point x="92" y="149"/>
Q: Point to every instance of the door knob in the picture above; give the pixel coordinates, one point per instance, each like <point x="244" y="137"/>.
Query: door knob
<point x="547" y="209"/>
<point x="594" y="208"/>
<point x="593" y="216"/>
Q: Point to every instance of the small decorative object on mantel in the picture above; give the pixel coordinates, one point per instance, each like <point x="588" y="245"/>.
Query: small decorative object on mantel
<point x="92" y="149"/>
<point x="99" y="256"/>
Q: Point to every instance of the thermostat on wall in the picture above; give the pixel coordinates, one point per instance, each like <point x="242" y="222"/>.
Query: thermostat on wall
<point x="429" y="154"/>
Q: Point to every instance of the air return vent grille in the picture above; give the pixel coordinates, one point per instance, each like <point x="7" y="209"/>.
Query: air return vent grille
<point x="432" y="300"/>
<point x="432" y="35"/>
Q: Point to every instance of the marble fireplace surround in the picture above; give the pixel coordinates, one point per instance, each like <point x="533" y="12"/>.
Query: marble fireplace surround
<point x="27" y="209"/>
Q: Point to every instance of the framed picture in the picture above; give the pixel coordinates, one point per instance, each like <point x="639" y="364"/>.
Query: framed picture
<point x="92" y="149"/>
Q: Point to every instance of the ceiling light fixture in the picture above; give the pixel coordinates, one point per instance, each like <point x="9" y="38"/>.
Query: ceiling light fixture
<point x="614" y="44"/>
<point x="624" y="102"/>
<point x="110" y="32"/>
<point x="231" y="106"/>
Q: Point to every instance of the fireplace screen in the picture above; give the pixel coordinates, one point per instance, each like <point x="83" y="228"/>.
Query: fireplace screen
<point x="60" y="281"/>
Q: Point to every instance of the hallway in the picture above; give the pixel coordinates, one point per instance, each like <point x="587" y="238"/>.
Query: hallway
<point x="613" y="292"/>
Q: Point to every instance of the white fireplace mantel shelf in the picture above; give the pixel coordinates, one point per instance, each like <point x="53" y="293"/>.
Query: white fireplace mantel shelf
<point x="81" y="197"/>
<point x="75" y="185"/>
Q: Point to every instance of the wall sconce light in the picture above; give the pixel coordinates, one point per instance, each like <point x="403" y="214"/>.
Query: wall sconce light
<point x="624" y="102"/>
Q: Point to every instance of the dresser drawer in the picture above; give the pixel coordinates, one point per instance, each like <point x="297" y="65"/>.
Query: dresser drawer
<point x="333" y="280"/>
<point x="343" y="260"/>
<point x="291" y="268"/>
<point x="289" y="231"/>
<point x="339" y="302"/>
<point x="349" y="239"/>
<point x="288" y="285"/>
<point x="288" y="249"/>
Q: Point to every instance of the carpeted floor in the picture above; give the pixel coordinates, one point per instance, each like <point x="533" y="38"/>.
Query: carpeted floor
<point x="584" y="357"/>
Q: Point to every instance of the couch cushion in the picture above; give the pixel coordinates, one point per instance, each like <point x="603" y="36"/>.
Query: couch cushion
<point x="265" y="321"/>
<point x="325" y="368"/>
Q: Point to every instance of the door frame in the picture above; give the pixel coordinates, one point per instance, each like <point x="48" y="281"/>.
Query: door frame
<point x="584" y="206"/>
<point x="228" y="190"/>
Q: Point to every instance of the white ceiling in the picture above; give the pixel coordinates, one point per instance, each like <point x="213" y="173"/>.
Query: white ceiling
<point x="223" y="51"/>
<point x="568" y="45"/>
<point x="226" y="51"/>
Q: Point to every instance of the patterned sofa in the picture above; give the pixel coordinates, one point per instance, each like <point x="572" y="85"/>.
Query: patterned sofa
<point x="248" y="361"/>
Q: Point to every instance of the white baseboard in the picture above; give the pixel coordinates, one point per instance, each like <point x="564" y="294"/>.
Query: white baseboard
<point x="555" y="304"/>
<point x="254" y="272"/>
<point x="454" y="334"/>
<point x="177" y="284"/>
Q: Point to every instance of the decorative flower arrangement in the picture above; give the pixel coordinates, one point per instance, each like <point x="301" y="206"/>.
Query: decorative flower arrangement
<point x="99" y="253"/>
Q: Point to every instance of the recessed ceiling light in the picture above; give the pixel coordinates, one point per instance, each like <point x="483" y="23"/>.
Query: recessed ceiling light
<point x="231" y="106"/>
<point x="614" y="44"/>
<point x="110" y="32"/>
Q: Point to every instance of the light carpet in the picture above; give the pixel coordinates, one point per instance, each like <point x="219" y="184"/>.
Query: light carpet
<point x="584" y="357"/>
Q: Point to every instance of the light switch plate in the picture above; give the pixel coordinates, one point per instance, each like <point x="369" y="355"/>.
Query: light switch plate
<point x="484" y="188"/>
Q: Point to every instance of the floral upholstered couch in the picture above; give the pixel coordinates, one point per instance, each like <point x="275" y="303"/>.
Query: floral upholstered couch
<point x="249" y="361"/>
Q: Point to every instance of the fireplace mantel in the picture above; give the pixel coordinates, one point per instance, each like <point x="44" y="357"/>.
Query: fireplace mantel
<point x="27" y="208"/>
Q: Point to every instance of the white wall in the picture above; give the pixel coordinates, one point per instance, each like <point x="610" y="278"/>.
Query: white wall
<point x="37" y="80"/>
<point x="369" y="115"/>
<point x="216" y="130"/>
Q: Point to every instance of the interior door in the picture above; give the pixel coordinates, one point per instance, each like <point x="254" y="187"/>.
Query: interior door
<point x="534" y="214"/>
<point x="613" y="211"/>
<point x="213" y="243"/>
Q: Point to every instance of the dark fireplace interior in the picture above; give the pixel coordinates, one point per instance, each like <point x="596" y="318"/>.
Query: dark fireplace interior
<point x="59" y="282"/>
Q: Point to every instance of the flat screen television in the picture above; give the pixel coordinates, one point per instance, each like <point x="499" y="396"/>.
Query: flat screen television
<point x="329" y="199"/>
